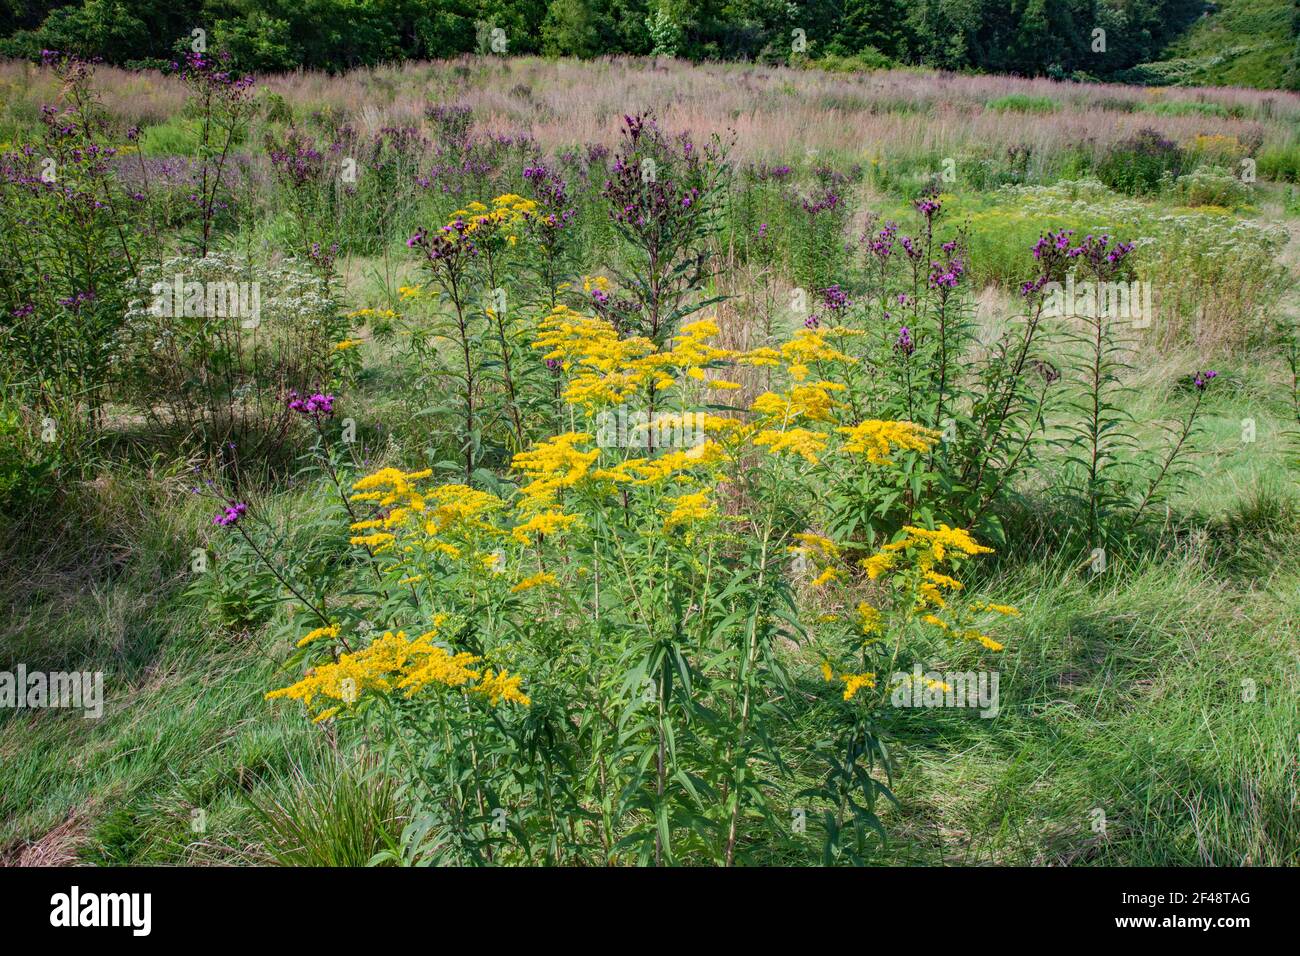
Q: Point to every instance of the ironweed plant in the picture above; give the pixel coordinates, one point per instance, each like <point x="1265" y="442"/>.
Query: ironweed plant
<point x="69" y="249"/>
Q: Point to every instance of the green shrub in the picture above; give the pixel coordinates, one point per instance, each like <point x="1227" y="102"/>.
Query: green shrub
<point x="864" y="61"/>
<point x="1281" y="163"/>
<point x="1141" y="163"/>
<point x="1178" y="108"/>
<point x="1023" y="103"/>
<point x="1211" y="186"/>
<point x="24" y="472"/>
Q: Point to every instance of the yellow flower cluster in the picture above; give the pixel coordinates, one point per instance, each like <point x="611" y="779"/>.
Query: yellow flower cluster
<point x="443" y="521"/>
<point x="330" y="630"/>
<point x="393" y="662"/>
<point x="812" y="401"/>
<point x="502" y="218"/>
<point x="852" y="682"/>
<point x="536" y="580"/>
<point x="877" y="439"/>
<point x="606" y="368"/>
<point x="553" y="465"/>
<point x="804" y="442"/>
<point x="810" y="542"/>
<point x="694" y="506"/>
<point x="926" y="550"/>
<point x="932" y="547"/>
<point x="547" y="522"/>
<point x="870" y="620"/>
<point x="807" y="346"/>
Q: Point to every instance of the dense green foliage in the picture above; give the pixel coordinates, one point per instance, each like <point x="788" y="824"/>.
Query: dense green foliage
<point x="1035" y="37"/>
<point x="1245" y="43"/>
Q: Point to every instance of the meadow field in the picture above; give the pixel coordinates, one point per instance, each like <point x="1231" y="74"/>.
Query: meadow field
<point x="521" y="461"/>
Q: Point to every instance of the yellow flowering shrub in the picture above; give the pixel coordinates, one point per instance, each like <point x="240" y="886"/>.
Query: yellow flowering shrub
<point x="609" y="625"/>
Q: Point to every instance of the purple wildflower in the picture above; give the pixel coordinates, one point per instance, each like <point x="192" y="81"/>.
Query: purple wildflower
<point x="316" y="405"/>
<point x="904" y="345"/>
<point x="230" y="515"/>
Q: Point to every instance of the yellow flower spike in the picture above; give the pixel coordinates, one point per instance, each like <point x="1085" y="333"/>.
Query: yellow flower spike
<point x="548" y="522"/>
<point x="877" y="564"/>
<point x="500" y="686"/>
<point x="1004" y="609"/>
<point x="554" y="465"/>
<point x="878" y="439"/>
<point x="812" y="540"/>
<point x="828" y="575"/>
<point x="330" y="630"/>
<point x="856" y="682"/>
<point x="669" y="464"/>
<point x="800" y="441"/>
<point x="761" y="357"/>
<point x="807" y="346"/>
<point x="973" y="635"/>
<point x="690" y="507"/>
<point x="439" y="666"/>
<point x="536" y="580"/>
<point x="943" y="581"/>
<point x="945" y="538"/>
<point x="870" y="620"/>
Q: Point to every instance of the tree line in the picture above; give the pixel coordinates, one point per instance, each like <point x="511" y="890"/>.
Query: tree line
<point x="1084" y="39"/>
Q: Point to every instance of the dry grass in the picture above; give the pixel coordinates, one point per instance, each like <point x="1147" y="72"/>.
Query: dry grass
<point x="775" y="111"/>
<point x="58" y="847"/>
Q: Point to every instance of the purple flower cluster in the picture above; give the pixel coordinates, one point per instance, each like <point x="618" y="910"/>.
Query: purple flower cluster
<point x="1056" y="252"/>
<point x="881" y="245"/>
<point x="75" y="302"/>
<point x="928" y="206"/>
<point x="316" y="405"/>
<point x="816" y="205"/>
<point x="452" y="122"/>
<point x="552" y="192"/>
<point x="298" y="162"/>
<point x="831" y="177"/>
<point x="1203" y="378"/>
<point x="230" y="514"/>
<point x="655" y="183"/>
<point x="448" y="245"/>
<point x="762" y="173"/>
<point x="1100" y="254"/>
<point x="904" y="345"/>
<point x="214" y="76"/>
<point x="836" y="299"/>
<point x="946" y="276"/>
